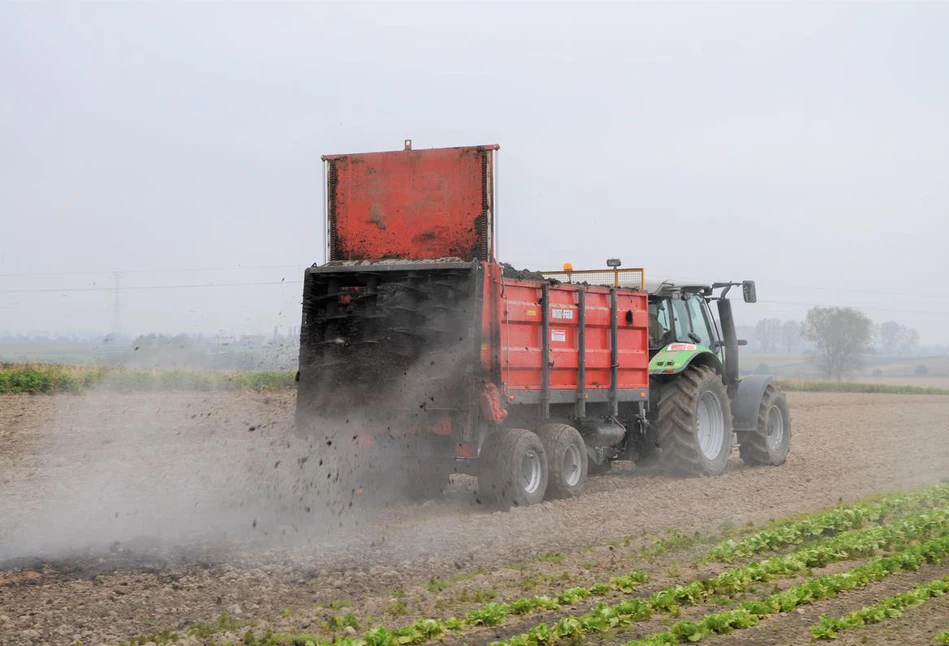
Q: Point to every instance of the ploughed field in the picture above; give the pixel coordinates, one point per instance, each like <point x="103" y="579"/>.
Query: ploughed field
<point x="195" y="518"/>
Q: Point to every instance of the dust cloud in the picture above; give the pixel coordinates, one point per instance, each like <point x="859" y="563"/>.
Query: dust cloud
<point x="203" y="474"/>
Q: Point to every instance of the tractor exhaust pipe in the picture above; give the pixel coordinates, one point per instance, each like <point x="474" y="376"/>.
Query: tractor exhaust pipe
<point x="727" y="320"/>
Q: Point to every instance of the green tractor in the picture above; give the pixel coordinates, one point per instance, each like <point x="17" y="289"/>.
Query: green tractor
<point x="699" y="405"/>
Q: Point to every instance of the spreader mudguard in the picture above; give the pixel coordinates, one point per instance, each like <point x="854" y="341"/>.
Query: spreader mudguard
<point x="746" y="402"/>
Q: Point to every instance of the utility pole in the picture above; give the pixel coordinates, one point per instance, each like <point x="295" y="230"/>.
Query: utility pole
<point x="116" y="309"/>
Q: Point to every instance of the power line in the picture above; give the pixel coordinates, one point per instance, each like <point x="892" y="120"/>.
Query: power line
<point x="146" y="287"/>
<point x="149" y="271"/>
<point x="844" y="290"/>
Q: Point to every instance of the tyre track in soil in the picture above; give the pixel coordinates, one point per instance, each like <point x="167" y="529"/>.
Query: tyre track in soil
<point x="173" y="467"/>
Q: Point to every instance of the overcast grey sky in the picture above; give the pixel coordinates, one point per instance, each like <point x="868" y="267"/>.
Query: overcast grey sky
<point x="803" y="145"/>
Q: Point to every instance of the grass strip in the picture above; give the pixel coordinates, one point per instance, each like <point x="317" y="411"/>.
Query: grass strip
<point x="829" y="628"/>
<point x="750" y="613"/>
<point x="793" y="385"/>
<point x="942" y="638"/>
<point x="735" y="581"/>
<point x="51" y="379"/>
<point x="830" y="522"/>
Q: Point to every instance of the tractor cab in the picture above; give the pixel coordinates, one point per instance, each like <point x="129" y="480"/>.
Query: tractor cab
<point x="679" y="313"/>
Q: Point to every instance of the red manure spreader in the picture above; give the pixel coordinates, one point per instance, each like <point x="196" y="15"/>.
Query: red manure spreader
<point x="420" y="350"/>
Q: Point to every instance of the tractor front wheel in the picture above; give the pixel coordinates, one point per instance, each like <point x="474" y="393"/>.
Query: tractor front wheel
<point x="770" y="443"/>
<point x="695" y="423"/>
<point x="515" y="473"/>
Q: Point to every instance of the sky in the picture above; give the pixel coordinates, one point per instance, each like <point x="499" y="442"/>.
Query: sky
<point x="802" y="145"/>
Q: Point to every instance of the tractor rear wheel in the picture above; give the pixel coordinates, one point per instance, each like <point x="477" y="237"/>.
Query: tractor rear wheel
<point x="566" y="460"/>
<point x="516" y="470"/>
<point x="770" y="443"/>
<point x="695" y="423"/>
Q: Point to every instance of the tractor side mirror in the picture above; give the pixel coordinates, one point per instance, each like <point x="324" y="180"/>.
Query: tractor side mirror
<point x="748" y="292"/>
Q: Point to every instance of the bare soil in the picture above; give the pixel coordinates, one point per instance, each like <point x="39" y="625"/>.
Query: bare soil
<point x="122" y="515"/>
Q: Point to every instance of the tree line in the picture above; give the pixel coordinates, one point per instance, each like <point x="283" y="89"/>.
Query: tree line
<point x="836" y="338"/>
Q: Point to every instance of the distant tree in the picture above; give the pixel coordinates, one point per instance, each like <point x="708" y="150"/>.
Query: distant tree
<point x="897" y="338"/>
<point x="842" y="335"/>
<point x="746" y="332"/>
<point x="909" y="339"/>
<point x="889" y="336"/>
<point x="791" y="336"/>
<point x="921" y="370"/>
<point x="768" y="334"/>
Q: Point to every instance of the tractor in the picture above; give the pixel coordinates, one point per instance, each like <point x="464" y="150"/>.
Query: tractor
<point x="699" y="406"/>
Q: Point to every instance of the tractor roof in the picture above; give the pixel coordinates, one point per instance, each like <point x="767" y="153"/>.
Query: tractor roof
<point x="659" y="287"/>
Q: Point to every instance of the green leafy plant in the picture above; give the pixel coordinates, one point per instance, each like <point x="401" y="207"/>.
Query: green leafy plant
<point x="397" y="609"/>
<point x="436" y="585"/>
<point x="823" y="587"/>
<point x="831" y="522"/>
<point x="490" y="615"/>
<point x="349" y="620"/>
<point x="828" y="628"/>
<point x="857" y="543"/>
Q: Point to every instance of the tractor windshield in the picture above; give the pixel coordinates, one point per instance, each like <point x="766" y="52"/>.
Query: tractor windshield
<point x="679" y="319"/>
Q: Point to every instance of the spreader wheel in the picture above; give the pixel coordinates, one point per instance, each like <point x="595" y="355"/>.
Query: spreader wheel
<point x="566" y="460"/>
<point x="515" y="474"/>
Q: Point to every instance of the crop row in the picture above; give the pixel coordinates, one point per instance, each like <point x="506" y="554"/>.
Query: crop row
<point x="828" y="628"/>
<point x="845" y="545"/>
<point x="494" y="614"/>
<point x="749" y="613"/>
<point x="735" y="581"/>
<point x="830" y="522"/>
<point x="731" y="582"/>
<point x="943" y="637"/>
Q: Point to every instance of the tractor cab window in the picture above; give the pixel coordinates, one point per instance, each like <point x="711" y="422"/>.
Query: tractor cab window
<point x="660" y="327"/>
<point x="699" y="322"/>
<point x="683" y="325"/>
<point x="691" y="326"/>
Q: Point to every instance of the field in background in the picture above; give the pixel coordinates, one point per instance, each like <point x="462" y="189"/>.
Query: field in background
<point x="65" y="353"/>
<point x="876" y="369"/>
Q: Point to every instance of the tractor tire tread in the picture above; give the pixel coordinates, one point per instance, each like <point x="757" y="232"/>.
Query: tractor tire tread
<point x="753" y="448"/>
<point x="677" y="421"/>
